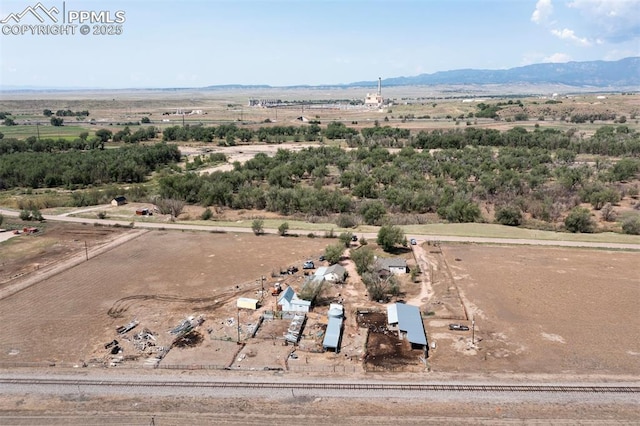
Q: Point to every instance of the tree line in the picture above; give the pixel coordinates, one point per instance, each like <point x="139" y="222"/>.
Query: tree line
<point x="80" y="168"/>
<point x="370" y="183"/>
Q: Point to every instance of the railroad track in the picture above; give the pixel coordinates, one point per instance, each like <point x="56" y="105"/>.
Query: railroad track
<point x="411" y="387"/>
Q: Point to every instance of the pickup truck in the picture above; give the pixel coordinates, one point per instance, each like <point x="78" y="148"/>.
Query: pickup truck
<point x="458" y="327"/>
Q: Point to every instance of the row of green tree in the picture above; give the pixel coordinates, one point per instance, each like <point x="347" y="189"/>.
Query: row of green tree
<point x="65" y="113"/>
<point x="607" y="140"/>
<point x="372" y="182"/>
<point x="33" y="144"/>
<point x="72" y="169"/>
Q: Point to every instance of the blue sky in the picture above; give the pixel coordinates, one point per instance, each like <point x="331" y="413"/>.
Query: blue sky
<point x="289" y="42"/>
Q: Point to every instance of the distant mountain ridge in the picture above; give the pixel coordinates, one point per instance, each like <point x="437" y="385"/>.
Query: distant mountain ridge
<point x="622" y="73"/>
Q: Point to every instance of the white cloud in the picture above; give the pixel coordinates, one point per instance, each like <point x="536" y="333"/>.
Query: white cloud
<point x="544" y="9"/>
<point x="613" y="20"/>
<point x="557" y="57"/>
<point x="567" y="34"/>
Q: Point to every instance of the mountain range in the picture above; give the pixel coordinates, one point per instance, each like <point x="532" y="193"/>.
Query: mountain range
<point x="622" y="73"/>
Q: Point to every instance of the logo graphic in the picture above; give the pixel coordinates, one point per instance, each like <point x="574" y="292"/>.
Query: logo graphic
<point x="17" y="17"/>
<point x="38" y="20"/>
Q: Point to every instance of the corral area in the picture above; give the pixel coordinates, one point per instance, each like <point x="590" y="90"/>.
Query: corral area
<point x="535" y="309"/>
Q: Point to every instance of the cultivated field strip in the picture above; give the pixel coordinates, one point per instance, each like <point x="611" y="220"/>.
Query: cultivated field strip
<point x="411" y="387"/>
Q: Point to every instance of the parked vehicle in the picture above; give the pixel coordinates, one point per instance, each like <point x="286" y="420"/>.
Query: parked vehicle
<point x="413" y="241"/>
<point x="458" y="327"/>
<point x="308" y="265"/>
<point x="354" y="238"/>
<point x="276" y="289"/>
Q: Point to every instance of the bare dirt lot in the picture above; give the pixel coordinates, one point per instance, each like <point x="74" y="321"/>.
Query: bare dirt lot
<point x="540" y="310"/>
<point x="536" y="309"/>
<point x="53" y="243"/>
<point x="159" y="278"/>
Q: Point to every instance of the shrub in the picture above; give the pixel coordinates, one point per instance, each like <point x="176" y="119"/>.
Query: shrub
<point x="579" y="220"/>
<point x="283" y="228"/>
<point x="346" y="221"/>
<point x="333" y="253"/>
<point x="345" y="238"/>
<point x="258" y="226"/>
<point x="207" y="214"/>
<point x="25" y="214"/>
<point x="631" y="225"/>
<point x="509" y="215"/>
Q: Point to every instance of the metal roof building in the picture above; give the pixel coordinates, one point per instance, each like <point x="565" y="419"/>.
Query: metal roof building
<point x="409" y="321"/>
<point x="334" y="329"/>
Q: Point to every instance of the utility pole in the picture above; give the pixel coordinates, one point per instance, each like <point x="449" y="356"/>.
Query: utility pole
<point x="86" y="250"/>
<point x="238" y="341"/>
<point x="473" y="332"/>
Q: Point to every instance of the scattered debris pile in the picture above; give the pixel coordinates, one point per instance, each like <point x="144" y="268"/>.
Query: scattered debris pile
<point x="295" y="328"/>
<point x="126" y="328"/>
<point x="144" y="339"/>
<point x="186" y="326"/>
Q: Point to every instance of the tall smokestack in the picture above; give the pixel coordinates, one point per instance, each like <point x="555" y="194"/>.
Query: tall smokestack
<point x="379" y="86"/>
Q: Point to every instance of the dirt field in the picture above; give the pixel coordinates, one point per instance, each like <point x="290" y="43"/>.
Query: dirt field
<point x="159" y="278"/>
<point x="536" y="310"/>
<point x="53" y="243"/>
<point x="540" y="310"/>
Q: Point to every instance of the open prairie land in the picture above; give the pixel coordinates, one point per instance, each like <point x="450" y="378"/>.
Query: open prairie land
<point x="416" y="108"/>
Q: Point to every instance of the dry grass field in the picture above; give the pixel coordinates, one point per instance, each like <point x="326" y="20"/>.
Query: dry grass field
<point x="442" y="105"/>
<point x="537" y="310"/>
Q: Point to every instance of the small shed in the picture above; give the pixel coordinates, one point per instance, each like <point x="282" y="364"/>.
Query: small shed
<point x="247" y="303"/>
<point x="119" y="201"/>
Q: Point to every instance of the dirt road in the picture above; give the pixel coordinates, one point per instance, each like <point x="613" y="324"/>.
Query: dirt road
<point x="419" y="238"/>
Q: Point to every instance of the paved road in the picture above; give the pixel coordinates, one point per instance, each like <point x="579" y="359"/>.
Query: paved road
<point x="418" y="237"/>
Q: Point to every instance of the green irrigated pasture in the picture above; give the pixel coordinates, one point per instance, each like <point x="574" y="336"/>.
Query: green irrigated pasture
<point x="23" y="131"/>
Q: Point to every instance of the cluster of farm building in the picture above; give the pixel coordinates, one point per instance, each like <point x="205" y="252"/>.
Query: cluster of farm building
<point x="278" y="315"/>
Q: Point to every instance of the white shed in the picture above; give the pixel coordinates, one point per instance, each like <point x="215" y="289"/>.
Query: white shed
<point x="247" y="303"/>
